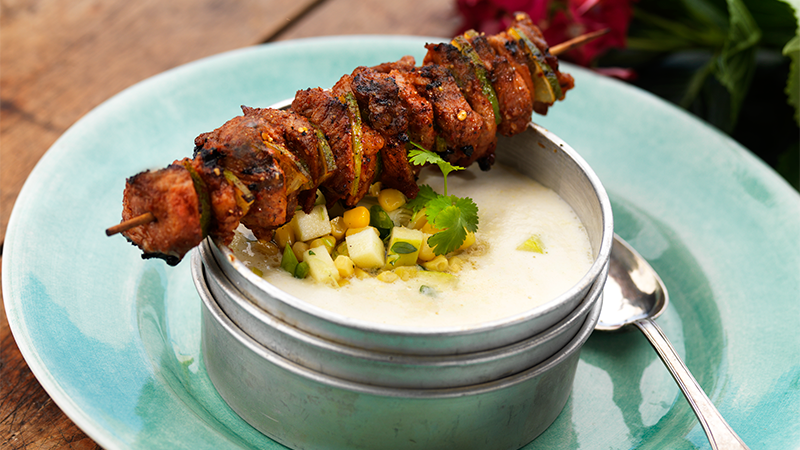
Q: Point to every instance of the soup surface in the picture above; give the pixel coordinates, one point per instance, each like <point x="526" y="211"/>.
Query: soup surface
<point x="497" y="280"/>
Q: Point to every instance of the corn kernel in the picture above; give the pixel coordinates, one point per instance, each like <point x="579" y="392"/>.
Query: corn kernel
<point x="375" y="189"/>
<point x="338" y="228"/>
<point x="345" y="266"/>
<point x="357" y="217"/>
<point x="341" y="249"/>
<point x="426" y="251"/>
<point x="406" y="272"/>
<point x="419" y="220"/>
<point x="388" y="276"/>
<point x="325" y="241"/>
<point x="430" y="229"/>
<point x="469" y="240"/>
<point x="455" y="264"/>
<point x="284" y="235"/>
<point x="391" y="199"/>
<point x="299" y="248"/>
<point x="438" y="264"/>
<point x="462" y="115"/>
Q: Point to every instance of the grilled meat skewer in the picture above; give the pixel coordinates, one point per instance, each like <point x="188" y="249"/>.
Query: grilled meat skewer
<point x="258" y="168"/>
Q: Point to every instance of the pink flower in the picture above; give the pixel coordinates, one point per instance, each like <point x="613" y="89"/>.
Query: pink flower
<point x="560" y="20"/>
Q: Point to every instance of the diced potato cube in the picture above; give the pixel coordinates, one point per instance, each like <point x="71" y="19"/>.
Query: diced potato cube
<point x="366" y="249"/>
<point x="404" y="247"/>
<point x="312" y="225"/>
<point x="321" y="266"/>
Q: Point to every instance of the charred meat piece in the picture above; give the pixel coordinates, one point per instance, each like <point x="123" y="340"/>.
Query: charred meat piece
<point x="380" y="98"/>
<point x="378" y="94"/>
<point x="461" y="128"/>
<point x="462" y="70"/>
<point x="513" y="94"/>
<point x="366" y="141"/>
<point x="255" y="151"/>
<point x="404" y="64"/>
<point x="169" y="194"/>
<point x="224" y="210"/>
<point x="330" y="115"/>
<point x="420" y="111"/>
<point x="286" y="131"/>
<point x="523" y="23"/>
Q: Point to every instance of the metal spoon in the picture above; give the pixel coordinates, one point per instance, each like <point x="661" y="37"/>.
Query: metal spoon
<point x="635" y="295"/>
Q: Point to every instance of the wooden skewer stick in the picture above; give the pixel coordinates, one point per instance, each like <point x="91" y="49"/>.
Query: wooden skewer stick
<point x="554" y="50"/>
<point x="131" y="223"/>
<point x="577" y="42"/>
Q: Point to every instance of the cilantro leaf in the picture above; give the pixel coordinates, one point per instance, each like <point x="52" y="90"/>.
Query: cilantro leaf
<point x="425" y="195"/>
<point x="469" y="213"/>
<point x="455" y="217"/>
<point x="420" y="156"/>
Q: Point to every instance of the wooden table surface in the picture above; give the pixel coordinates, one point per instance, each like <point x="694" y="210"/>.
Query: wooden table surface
<point x="61" y="58"/>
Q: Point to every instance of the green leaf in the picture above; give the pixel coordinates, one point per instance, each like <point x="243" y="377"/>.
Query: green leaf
<point x="736" y="63"/>
<point x="789" y="165"/>
<point x="469" y="213"/>
<point x="776" y="19"/>
<point x="448" y="240"/>
<point x="425" y="195"/>
<point x="792" y="50"/>
<point x="403" y="248"/>
<point x="455" y="217"/>
<point x="421" y="156"/>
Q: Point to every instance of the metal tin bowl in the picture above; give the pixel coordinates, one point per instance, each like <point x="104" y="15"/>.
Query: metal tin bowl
<point x="381" y="368"/>
<point x="535" y="152"/>
<point x="304" y="409"/>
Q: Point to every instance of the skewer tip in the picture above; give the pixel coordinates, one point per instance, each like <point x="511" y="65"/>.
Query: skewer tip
<point x="577" y="42"/>
<point x="131" y="223"/>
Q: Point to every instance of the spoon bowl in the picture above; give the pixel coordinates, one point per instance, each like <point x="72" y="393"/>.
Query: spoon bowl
<point x="633" y="290"/>
<point x="635" y="295"/>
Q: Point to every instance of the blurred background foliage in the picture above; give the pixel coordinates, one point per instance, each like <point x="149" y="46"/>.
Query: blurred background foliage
<point x="732" y="63"/>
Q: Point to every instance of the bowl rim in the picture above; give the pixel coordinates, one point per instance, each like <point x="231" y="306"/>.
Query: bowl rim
<point x="595" y="270"/>
<point x="211" y="308"/>
<point x="201" y="266"/>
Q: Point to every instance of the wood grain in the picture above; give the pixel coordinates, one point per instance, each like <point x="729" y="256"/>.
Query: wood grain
<point x="62" y="58"/>
<point x="407" y="17"/>
<point x="59" y="60"/>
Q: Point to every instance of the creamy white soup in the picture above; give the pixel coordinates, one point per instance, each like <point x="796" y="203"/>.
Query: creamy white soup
<point x="497" y="279"/>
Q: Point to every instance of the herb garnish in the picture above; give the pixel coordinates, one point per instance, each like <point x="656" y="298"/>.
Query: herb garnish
<point x="454" y="216"/>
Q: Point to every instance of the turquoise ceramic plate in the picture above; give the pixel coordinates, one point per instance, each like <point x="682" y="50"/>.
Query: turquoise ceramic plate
<point x="115" y="340"/>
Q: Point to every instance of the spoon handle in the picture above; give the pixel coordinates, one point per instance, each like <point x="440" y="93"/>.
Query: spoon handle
<point x="717" y="429"/>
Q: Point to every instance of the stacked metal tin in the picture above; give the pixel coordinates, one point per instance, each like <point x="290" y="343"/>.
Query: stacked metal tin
<point x="311" y="378"/>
